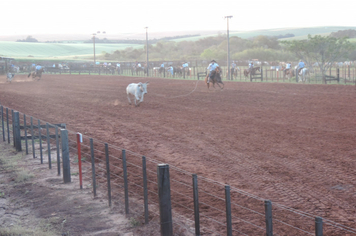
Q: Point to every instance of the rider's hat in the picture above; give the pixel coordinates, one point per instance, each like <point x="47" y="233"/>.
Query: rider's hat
<point x="213" y="61"/>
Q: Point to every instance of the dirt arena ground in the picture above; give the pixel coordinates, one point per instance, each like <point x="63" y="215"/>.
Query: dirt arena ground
<point x="291" y="143"/>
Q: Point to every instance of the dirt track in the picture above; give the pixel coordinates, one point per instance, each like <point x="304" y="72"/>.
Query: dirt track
<point x="293" y="144"/>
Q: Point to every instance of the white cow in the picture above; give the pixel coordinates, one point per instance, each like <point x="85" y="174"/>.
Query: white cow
<point x="138" y="90"/>
<point x="10" y="76"/>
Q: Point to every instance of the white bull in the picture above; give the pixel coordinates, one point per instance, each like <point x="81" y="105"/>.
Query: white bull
<point x="138" y="90"/>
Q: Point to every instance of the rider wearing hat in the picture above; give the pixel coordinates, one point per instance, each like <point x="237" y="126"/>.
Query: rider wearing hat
<point x="212" y="66"/>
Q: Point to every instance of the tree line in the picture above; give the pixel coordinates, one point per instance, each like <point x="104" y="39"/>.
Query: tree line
<point x="263" y="48"/>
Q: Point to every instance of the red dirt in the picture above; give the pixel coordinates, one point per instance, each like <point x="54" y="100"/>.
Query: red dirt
<point x="291" y="143"/>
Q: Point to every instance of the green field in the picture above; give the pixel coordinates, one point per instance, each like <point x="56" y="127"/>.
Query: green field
<point x="84" y="51"/>
<point x="57" y="50"/>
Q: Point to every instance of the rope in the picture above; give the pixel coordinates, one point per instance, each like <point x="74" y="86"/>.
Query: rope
<point x="184" y="95"/>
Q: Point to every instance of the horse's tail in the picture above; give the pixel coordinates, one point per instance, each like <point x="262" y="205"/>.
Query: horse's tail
<point x="29" y="75"/>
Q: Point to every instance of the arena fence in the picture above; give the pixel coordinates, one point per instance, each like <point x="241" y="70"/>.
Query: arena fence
<point x="346" y="75"/>
<point x="151" y="190"/>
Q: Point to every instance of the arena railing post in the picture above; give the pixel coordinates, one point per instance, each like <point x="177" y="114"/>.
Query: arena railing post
<point x="228" y="211"/>
<point x="17" y="131"/>
<point x="196" y="205"/>
<point x="268" y="218"/>
<point x="48" y="147"/>
<point x="164" y="196"/>
<point x="7" y="125"/>
<point x="2" y="124"/>
<point x="58" y="155"/>
<point x="318" y="226"/>
<point x="25" y="129"/>
<point x="40" y="140"/>
<point x="32" y="139"/>
<point x="65" y="156"/>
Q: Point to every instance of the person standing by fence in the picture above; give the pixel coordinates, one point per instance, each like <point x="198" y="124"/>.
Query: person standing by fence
<point x="118" y="66"/>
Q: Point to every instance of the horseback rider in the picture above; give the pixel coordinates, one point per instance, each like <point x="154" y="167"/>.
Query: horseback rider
<point x="212" y="66"/>
<point x="288" y="67"/>
<point x="301" y="65"/>
<point x="250" y="66"/>
<point x="233" y="66"/>
<point x="38" y="68"/>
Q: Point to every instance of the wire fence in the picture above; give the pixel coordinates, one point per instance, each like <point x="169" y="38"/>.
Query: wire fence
<point x="200" y="206"/>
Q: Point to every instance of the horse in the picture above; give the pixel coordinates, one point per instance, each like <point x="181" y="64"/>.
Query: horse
<point x="215" y="78"/>
<point x="234" y="73"/>
<point x="137" y="69"/>
<point x="253" y="71"/>
<point x="303" y="75"/>
<point x="289" y="73"/>
<point x="178" y="70"/>
<point x="35" y="74"/>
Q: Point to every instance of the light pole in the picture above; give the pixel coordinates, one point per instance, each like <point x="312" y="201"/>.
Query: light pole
<point x="228" y="47"/>
<point x="146" y="50"/>
<point x="94" y="44"/>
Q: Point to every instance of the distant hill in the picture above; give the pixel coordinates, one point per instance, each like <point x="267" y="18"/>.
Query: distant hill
<point x="298" y="32"/>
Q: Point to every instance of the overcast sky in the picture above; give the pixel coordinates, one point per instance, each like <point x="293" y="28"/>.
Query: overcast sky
<point x="131" y="16"/>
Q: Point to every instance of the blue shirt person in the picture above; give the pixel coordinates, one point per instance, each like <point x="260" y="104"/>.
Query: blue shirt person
<point x="301" y="64"/>
<point x="212" y="66"/>
<point x="171" y="70"/>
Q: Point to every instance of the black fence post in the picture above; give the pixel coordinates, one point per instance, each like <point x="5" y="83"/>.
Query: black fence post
<point x="32" y="139"/>
<point x="7" y="125"/>
<point x="58" y="155"/>
<point x="93" y="166"/>
<point x="196" y="205"/>
<point x="145" y="191"/>
<point x="228" y="211"/>
<point x="17" y="131"/>
<point x="40" y="139"/>
<point x="2" y="123"/>
<point x="65" y="156"/>
<point x="48" y="147"/>
<point x="338" y="75"/>
<point x="318" y="226"/>
<point x="268" y="217"/>
<point x="108" y="172"/>
<point x="124" y="167"/>
<point x="164" y="195"/>
<point x="13" y="127"/>
<point x="25" y="128"/>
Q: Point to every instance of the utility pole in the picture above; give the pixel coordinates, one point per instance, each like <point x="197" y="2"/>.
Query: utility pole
<point x="147" y="50"/>
<point x="228" y="47"/>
